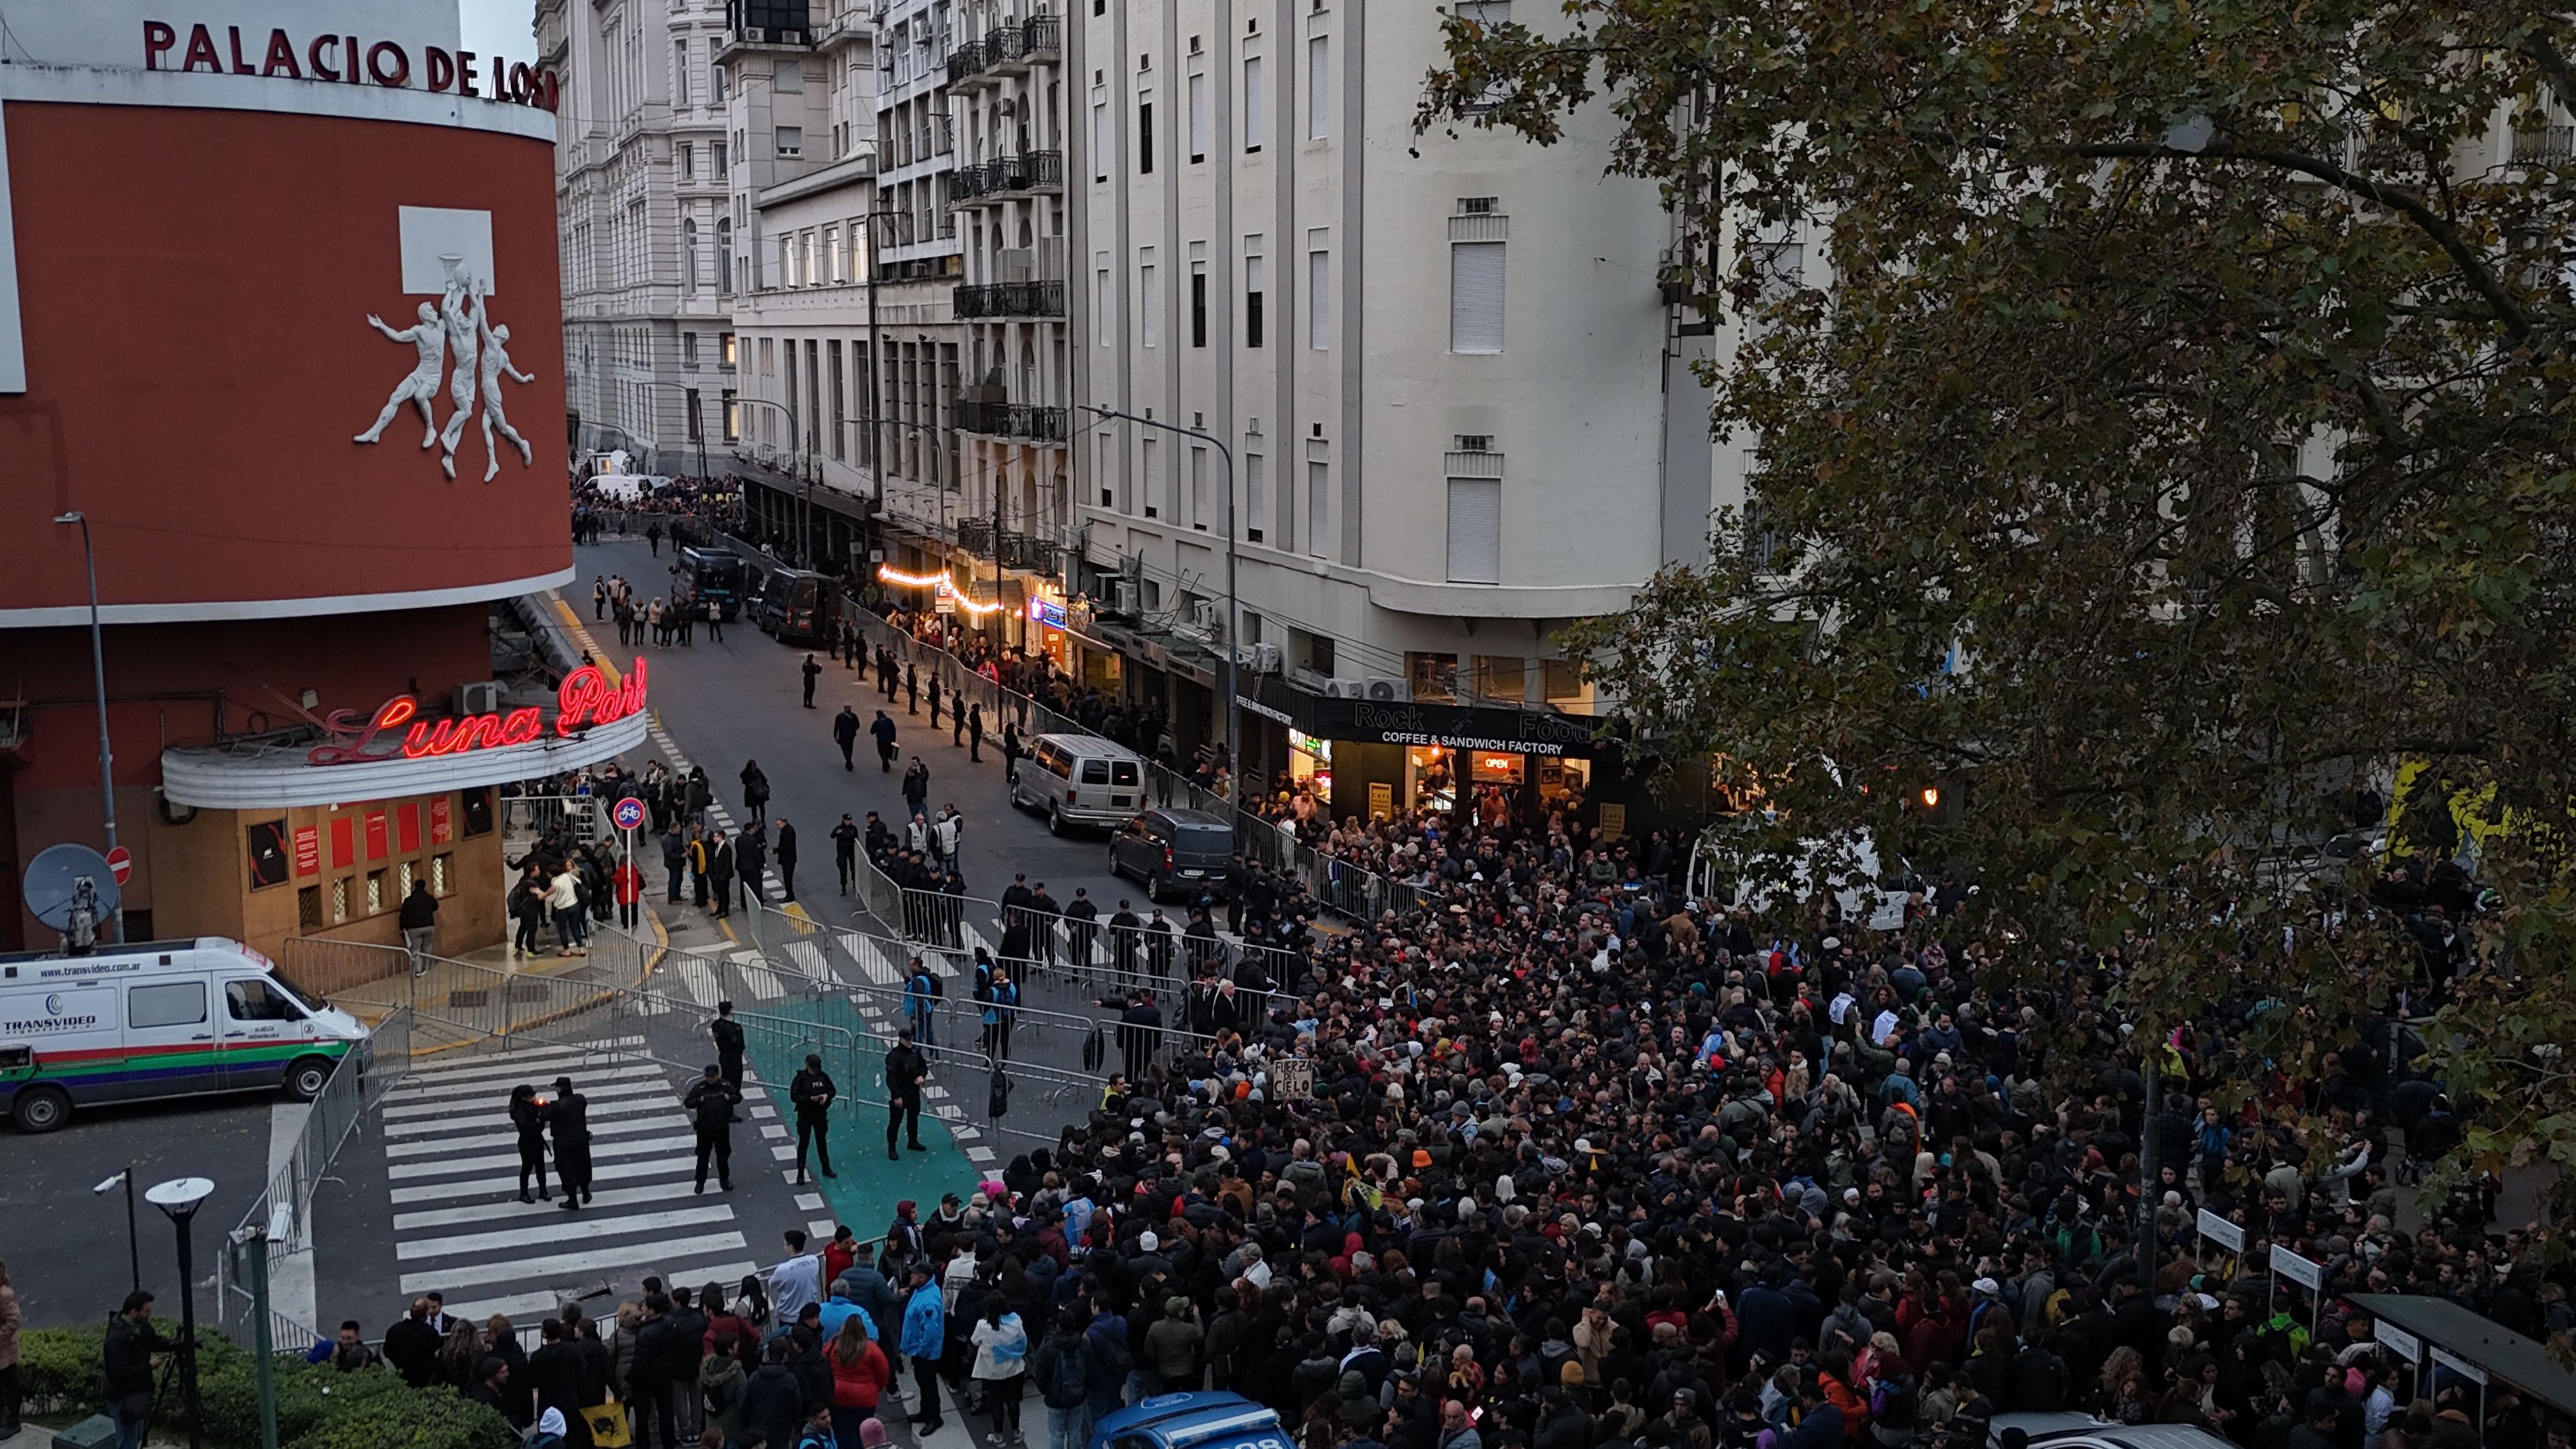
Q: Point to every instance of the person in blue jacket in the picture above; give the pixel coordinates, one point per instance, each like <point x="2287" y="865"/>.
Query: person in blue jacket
<point x="925" y="1331"/>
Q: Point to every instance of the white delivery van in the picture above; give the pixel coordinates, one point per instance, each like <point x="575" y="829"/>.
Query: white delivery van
<point x="153" y="1019"/>
<point x="1079" y="780"/>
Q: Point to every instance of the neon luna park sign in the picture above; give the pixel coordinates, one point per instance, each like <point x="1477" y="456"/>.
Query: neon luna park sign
<point x="584" y="699"/>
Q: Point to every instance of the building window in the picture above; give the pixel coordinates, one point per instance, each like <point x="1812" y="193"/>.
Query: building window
<point x="339" y="900"/>
<point x="1100" y="294"/>
<point x="1198" y="304"/>
<point x="1319" y="505"/>
<point x="402" y="881"/>
<point x="1198" y="489"/>
<point x="688" y="349"/>
<point x="688" y="161"/>
<point x="1560" y="680"/>
<point x="689" y="268"/>
<point x="724" y="265"/>
<point x="732" y="417"/>
<point x="1319" y="288"/>
<point x="1099" y="138"/>
<point x="697" y="431"/>
<point x="1475" y="530"/>
<point x="1319" y="87"/>
<point x="308" y="908"/>
<point x="791" y="140"/>
<point x="1145" y="136"/>
<point x="723" y="164"/>
<point x="1498" y="676"/>
<point x="442" y="874"/>
<point x="1101" y="446"/>
<point x="1251" y="104"/>
<point x="680" y="73"/>
<point x="1476" y="296"/>
<point x="1252" y="291"/>
<point x="1433" y="676"/>
<point x="726" y="344"/>
<point x="1198" y="116"/>
<point x="375" y="892"/>
<point x="1146" y="479"/>
<point x="716" y="75"/>
<point x="1253" y="493"/>
<point x="788" y="77"/>
<point x="1151" y="299"/>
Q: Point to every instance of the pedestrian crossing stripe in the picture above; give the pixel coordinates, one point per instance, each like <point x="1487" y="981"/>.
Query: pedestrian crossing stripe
<point x="668" y="1165"/>
<point x="449" y="1167"/>
<point x="559" y="1060"/>
<point x="511" y="1209"/>
<point x="445" y="1096"/>
<point x="565" y="1227"/>
<point x="876" y="964"/>
<point x="812" y="963"/>
<point x="499" y="1116"/>
<point x="593" y="1260"/>
<point x="523" y="1306"/>
<point x="763" y="984"/>
<point x="603" y="1090"/>
<point x="616" y="1127"/>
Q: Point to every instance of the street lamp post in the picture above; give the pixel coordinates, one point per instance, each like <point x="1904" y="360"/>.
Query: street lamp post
<point x="133" y="1244"/>
<point x="179" y="1199"/>
<point x="98" y="679"/>
<point x="1233" y="740"/>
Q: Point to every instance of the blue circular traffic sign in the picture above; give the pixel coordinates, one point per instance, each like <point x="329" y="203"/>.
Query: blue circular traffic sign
<point x="629" y="813"/>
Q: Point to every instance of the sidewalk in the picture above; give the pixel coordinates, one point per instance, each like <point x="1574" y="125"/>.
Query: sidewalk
<point x="464" y="982"/>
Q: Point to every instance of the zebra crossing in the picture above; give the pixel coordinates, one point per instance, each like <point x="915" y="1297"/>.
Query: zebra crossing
<point x="459" y="1227"/>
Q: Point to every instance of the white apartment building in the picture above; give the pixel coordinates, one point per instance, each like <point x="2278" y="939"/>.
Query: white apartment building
<point x="641" y="159"/>
<point x="1449" y="382"/>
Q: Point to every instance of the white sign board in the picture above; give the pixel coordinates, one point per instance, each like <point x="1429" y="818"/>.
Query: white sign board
<point x="2222" y="1232"/>
<point x="2407" y="1345"/>
<point x="434" y="238"/>
<point x="2309" y="1275"/>
<point x="1292" y="1079"/>
<point x="2460" y="1366"/>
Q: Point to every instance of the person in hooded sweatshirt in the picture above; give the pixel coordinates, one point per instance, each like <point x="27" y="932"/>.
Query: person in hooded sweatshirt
<point x="773" y="1401"/>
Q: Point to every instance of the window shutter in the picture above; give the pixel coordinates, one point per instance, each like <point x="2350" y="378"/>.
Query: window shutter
<point x="1476" y="296"/>
<point x="1475" y="531"/>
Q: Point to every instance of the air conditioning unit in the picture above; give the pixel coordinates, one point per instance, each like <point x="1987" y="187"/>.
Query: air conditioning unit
<point x="755" y="35"/>
<point x="1389" y="689"/>
<point x="1123" y="592"/>
<point x="1205" y="616"/>
<point x="1259" y="658"/>
<point x="1346" y="689"/>
<point x="482" y="697"/>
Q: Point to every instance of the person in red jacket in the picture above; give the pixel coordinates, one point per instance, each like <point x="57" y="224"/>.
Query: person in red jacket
<point x="859" y="1375"/>
<point x="839" y="1256"/>
<point x="1835" y="1377"/>
<point x="629" y="884"/>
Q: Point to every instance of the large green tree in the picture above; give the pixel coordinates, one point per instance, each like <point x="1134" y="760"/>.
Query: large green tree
<point x="2193" y="379"/>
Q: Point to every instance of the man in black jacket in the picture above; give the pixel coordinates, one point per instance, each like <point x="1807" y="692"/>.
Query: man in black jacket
<point x="710" y="1104"/>
<point x="562" y="1381"/>
<point x="131" y="1343"/>
<point x="812" y="1093"/>
<point x="727" y="1033"/>
<point x="568" y="1117"/>
<point x="658" y="1360"/>
<point x="845" y="733"/>
<point x="785" y="854"/>
<point x="411" y="1346"/>
<point x="904" y="1069"/>
<point x="845" y="852"/>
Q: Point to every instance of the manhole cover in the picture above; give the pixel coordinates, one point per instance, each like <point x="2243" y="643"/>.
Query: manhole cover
<point x="468" y="998"/>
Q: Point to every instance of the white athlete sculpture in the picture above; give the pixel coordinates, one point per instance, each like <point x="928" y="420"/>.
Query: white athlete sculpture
<point x="421" y="385"/>
<point x="464" y="332"/>
<point x="496" y="365"/>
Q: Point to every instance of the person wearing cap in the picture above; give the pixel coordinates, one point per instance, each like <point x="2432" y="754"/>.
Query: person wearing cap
<point x="813" y="1092"/>
<point x="905" y="1070"/>
<point x="710" y="1104"/>
<point x="567" y="1117"/>
<point x="924" y="1337"/>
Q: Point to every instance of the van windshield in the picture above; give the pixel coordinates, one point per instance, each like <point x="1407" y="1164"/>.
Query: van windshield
<point x="312" y="1002"/>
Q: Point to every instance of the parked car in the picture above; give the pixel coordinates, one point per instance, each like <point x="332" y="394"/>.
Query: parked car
<point x="1172" y="851"/>
<point x="2083" y="1431"/>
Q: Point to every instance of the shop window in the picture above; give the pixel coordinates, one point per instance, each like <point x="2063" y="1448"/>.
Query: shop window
<point x="442" y="874"/>
<point x="478" y="810"/>
<point x="269" y="863"/>
<point x="375" y="891"/>
<point x="308" y="908"/>
<point x="339" y="900"/>
<point x="179" y="1003"/>
<point x="1435" y="676"/>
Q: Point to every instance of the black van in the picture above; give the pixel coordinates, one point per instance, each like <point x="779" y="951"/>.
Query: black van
<point x="798" y="606"/>
<point x="711" y="575"/>
<point x="1174" y="852"/>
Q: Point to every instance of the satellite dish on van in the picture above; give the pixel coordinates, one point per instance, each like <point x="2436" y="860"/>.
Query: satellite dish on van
<point x="54" y="885"/>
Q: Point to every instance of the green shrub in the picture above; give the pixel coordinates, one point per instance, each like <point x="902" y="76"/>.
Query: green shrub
<point x="318" y="1407"/>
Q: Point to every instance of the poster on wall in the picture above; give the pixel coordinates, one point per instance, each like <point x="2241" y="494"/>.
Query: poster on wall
<point x="1381" y="799"/>
<point x="441" y="823"/>
<point x="376" y="841"/>
<point x="308" y="850"/>
<point x="407" y="827"/>
<point x="267" y="853"/>
<point x="344" y="843"/>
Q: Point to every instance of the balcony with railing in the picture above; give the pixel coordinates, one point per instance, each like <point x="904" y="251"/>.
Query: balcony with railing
<point x="1028" y="173"/>
<point x="1034" y="422"/>
<point x="964" y="61"/>
<point x="1042" y="38"/>
<point x="2544" y="146"/>
<point x="1016" y="550"/>
<point x="976" y="300"/>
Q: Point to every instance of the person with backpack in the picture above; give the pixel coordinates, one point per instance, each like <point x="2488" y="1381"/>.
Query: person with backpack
<point x="1062" y="1367"/>
<point x="922" y="990"/>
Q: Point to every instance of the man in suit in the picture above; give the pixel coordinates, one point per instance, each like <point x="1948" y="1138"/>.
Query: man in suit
<point x="568" y="1118"/>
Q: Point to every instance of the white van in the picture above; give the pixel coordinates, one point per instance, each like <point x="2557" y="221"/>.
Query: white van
<point x="1079" y="780"/>
<point x="153" y="1019"/>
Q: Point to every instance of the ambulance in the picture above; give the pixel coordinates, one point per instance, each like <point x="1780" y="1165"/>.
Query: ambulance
<point x="158" y="1019"/>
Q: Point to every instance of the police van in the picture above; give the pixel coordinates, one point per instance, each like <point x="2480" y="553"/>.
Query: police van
<point x="155" y="1019"/>
<point x="1197" y="1419"/>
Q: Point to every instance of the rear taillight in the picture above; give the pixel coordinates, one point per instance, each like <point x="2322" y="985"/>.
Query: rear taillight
<point x="1167" y="857"/>
<point x="1068" y="797"/>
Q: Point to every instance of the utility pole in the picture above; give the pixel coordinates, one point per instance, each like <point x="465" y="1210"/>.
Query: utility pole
<point x="115" y="929"/>
<point x="1233" y="714"/>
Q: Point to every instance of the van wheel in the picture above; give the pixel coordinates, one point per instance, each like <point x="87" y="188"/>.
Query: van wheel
<point x="41" y="1109"/>
<point x="305" y="1079"/>
<point x="1055" y="818"/>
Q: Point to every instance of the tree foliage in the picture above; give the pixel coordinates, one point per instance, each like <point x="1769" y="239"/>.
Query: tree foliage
<point x="2198" y="371"/>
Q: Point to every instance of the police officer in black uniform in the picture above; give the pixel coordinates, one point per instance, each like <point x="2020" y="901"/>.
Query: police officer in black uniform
<point x="812" y="1093"/>
<point x="710" y="1103"/>
<point x="728" y="1037"/>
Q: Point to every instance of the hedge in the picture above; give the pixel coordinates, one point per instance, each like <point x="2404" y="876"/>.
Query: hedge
<point x="318" y="1407"/>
